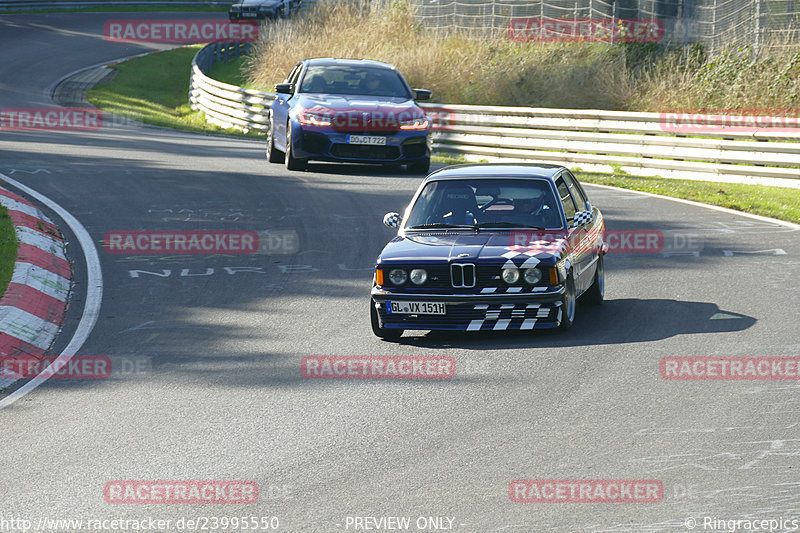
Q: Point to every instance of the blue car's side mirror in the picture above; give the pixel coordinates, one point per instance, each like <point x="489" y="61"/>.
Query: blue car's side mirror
<point x="422" y="94"/>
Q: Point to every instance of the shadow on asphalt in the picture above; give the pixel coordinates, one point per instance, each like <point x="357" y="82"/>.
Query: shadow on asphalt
<point x="615" y="322"/>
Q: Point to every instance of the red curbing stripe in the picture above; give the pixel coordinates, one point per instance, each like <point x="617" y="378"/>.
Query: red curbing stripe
<point x="27" y="253"/>
<point x="16" y="197"/>
<point x="34" y="302"/>
<point x="12" y="346"/>
<point x="24" y="219"/>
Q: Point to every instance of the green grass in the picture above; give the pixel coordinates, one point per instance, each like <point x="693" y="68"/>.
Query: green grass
<point x="776" y="202"/>
<point x="8" y="249"/>
<point x="154" y="90"/>
<point x="115" y="8"/>
<point x="230" y="72"/>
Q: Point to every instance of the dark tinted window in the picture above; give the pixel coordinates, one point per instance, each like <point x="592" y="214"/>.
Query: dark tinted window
<point x="489" y="202"/>
<point x="369" y="81"/>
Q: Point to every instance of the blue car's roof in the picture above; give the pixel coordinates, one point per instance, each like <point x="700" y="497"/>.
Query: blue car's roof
<point x="331" y="61"/>
<point x="497" y="170"/>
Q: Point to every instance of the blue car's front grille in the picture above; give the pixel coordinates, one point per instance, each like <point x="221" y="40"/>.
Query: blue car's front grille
<point x="363" y="151"/>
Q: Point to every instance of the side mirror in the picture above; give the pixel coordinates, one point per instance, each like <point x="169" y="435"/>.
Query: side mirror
<point x="284" y="88"/>
<point x="422" y="94"/>
<point x="392" y="220"/>
<point x="581" y="218"/>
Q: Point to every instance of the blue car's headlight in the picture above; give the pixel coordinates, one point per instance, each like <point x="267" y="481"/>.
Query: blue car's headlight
<point x="420" y="123"/>
<point x="307" y="118"/>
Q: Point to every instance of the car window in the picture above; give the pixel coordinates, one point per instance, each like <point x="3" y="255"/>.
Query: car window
<point x="566" y="198"/>
<point x="369" y="81"/>
<point x="575" y="189"/>
<point x="488" y="202"/>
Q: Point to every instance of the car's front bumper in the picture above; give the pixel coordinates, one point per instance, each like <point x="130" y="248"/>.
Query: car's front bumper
<point x="401" y="147"/>
<point x="475" y="312"/>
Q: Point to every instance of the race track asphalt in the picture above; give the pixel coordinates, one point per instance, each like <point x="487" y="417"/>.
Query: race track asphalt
<point x="224" y="335"/>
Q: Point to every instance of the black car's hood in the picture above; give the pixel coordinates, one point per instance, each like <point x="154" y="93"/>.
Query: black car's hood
<point x="483" y="247"/>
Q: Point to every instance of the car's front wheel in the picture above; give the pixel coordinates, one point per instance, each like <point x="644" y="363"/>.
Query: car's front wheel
<point x="383" y="333"/>
<point x="292" y="163"/>
<point x="273" y="154"/>
<point x="419" y="167"/>
<point x="568" y="304"/>
<point x="596" y="293"/>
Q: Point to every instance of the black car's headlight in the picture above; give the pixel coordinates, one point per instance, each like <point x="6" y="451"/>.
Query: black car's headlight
<point x="532" y="275"/>
<point x="418" y="276"/>
<point x="510" y="275"/>
<point x="398" y="276"/>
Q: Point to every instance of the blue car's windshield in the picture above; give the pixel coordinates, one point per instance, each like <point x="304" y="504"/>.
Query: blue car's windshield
<point x="486" y="203"/>
<point x="368" y="81"/>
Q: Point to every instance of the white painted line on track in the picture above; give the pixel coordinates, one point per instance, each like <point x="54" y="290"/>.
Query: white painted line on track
<point x="698" y="204"/>
<point x="94" y="289"/>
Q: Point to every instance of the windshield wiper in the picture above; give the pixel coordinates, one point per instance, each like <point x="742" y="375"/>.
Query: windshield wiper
<point x="443" y="225"/>
<point x="505" y="225"/>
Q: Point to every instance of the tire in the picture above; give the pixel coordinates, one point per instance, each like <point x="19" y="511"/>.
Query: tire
<point x="273" y="154"/>
<point x="596" y="293"/>
<point x="292" y="163"/>
<point x="420" y="167"/>
<point x="568" y="305"/>
<point x="384" y="333"/>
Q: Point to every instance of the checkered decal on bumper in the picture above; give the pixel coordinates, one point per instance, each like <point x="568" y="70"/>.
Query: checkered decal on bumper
<point x="512" y="316"/>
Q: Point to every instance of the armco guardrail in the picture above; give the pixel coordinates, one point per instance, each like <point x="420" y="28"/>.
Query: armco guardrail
<point x="638" y="143"/>
<point x="225" y="105"/>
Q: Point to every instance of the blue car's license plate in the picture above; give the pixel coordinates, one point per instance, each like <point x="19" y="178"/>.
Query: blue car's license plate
<point x="366" y="139"/>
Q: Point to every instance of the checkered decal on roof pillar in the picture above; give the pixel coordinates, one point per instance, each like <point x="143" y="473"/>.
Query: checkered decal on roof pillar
<point x="510" y="316"/>
<point x="582" y="217"/>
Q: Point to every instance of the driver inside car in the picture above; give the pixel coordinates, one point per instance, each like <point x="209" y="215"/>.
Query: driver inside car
<point x="534" y="211"/>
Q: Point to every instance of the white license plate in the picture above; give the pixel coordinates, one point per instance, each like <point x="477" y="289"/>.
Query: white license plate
<point x="249" y="14"/>
<point x="366" y="139"/>
<point x="416" y="308"/>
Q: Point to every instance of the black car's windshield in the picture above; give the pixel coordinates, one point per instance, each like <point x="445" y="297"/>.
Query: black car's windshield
<point x="368" y="81"/>
<point x="486" y="203"/>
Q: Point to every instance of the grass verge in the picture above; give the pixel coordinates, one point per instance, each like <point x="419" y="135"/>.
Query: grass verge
<point x="153" y="89"/>
<point x="8" y="249"/>
<point x="483" y="69"/>
<point x="775" y="202"/>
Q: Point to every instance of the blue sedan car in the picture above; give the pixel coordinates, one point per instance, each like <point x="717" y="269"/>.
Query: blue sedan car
<point x="490" y="247"/>
<point x="355" y="111"/>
